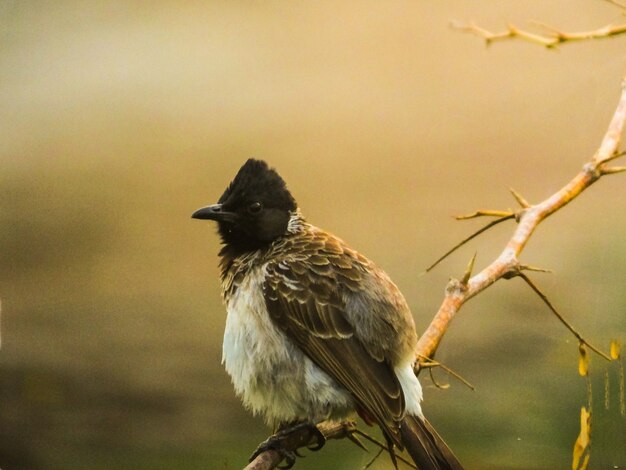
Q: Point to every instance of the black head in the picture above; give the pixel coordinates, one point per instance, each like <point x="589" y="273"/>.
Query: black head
<point x="254" y="210"/>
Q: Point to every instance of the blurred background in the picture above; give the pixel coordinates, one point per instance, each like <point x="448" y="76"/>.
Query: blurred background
<point x="119" y="119"/>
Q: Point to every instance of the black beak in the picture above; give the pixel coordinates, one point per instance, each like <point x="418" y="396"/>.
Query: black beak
<point x="214" y="212"/>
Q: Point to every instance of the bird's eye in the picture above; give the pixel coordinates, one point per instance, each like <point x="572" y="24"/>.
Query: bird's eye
<point x="255" y="207"/>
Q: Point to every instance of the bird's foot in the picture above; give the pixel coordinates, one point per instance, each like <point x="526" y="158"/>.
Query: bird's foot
<point x="316" y="434"/>
<point x="276" y="444"/>
<point x="284" y="443"/>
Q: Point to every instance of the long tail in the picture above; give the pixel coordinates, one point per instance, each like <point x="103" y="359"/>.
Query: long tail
<point x="426" y="447"/>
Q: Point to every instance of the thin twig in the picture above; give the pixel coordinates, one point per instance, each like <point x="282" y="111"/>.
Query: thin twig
<point x="536" y="269"/>
<point x="519" y="198"/>
<point x="553" y="39"/>
<point x="371" y="462"/>
<point x="468" y="271"/>
<point x="435" y="382"/>
<point x="426" y="362"/>
<point x="471" y="237"/>
<point x="615" y="156"/>
<point x="613" y="170"/>
<point x="545" y="299"/>
<point x="484" y="213"/>
<point x="375" y="441"/>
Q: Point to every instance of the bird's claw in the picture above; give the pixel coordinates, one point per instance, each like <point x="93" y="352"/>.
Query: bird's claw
<point x="320" y="440"/>
<point x="278" y="442"/>
<point x="290" y="460"/>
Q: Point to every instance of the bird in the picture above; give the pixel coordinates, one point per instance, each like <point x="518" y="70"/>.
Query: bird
<point x="314" y="330"/>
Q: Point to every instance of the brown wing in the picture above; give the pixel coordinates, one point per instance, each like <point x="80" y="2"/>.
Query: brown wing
<point x="303" y="295"/>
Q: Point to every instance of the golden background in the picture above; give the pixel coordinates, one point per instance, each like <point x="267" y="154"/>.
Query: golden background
<point x="119" y="119"/>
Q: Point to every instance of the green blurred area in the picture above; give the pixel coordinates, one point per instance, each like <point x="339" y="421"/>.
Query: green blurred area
<point x="118" y="120"/>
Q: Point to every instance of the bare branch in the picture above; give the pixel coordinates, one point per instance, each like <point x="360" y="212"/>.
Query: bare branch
<point x="608" y="150"/>
<point x="507" y="263"/>
<point x="551" y="40"/>
<point x="511" y="33"/>
<point x="303" y="438"/>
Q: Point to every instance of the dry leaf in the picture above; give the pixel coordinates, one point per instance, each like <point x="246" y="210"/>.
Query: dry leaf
<point x="583" y="440"/>
<point x="615" y="349"/>
<point x="583" y="360"/>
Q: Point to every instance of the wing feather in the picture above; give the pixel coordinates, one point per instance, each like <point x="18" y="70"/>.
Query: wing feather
<point x="304" y="299"/>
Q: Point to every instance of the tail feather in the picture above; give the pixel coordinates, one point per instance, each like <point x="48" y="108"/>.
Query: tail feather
<point x="425" y="446"/>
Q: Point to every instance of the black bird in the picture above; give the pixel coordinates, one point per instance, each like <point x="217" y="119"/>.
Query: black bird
<point x="314" y="329"/>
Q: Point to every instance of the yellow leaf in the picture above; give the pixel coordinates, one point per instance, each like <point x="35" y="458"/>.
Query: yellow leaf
<point x="582" y="442"/>
<point x="615" y="349"/>
<point x="583" y="360"/>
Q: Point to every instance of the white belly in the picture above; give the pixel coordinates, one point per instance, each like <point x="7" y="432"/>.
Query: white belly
<point x="271" y="375"/>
